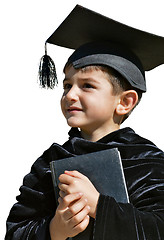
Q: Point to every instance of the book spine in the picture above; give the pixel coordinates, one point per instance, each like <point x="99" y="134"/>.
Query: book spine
<point x="54" y="180"/>
<point x="126" y="190"/>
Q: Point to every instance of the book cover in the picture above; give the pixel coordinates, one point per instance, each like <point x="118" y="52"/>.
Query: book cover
<point x="105" y="171"/>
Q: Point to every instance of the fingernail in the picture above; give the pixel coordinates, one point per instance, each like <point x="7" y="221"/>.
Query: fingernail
<point x="80" y="194"/>
<point x="88" y="207"/>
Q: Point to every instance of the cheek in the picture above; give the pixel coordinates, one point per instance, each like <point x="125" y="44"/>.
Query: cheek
<point x="95" y="107"/>
<point x="62" y="104"/>
<point x="101" y="106"/>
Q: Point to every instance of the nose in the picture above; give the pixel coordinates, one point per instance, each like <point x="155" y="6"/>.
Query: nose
<point x="73" y="94"/>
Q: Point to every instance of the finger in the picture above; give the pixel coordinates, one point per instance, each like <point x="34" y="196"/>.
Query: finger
<point x="82" y="225"/>
<point x="81" y="220"/>
<point x="59" y="200"/>
<point x="75" y="208"/>
<point x="65" y="178"/>
<point x="72" y="187"/>
<point x="62" y="194"/>
<point x="75" y="174"/>
<point x="63" y="187"/>
<point x="68" y="199"/>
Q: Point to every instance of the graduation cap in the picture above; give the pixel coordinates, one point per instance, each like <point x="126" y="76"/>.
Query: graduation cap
<point x="99" y="40"/>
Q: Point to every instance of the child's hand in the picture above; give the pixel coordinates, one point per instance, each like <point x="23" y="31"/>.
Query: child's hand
<point x="71" y="217"/>
<point x="75" y="182"/>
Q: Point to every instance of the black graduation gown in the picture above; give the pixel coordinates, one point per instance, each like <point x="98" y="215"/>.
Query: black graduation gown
<point x="141" y="219"/>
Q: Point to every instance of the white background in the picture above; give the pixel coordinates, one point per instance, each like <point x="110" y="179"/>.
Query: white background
<point x="30" y="118"/>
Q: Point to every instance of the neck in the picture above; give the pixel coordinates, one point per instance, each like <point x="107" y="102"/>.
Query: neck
<point x="96" y="135"/>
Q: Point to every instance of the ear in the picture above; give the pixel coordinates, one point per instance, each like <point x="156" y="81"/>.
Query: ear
<point x="127" y="102"/>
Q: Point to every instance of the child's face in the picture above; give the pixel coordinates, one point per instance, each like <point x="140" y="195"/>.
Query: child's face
<point x="88" y="101"/>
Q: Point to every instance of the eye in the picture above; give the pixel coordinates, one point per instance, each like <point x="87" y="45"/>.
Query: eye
<point x="67" y="86"/>
<point x="88" y="85"/>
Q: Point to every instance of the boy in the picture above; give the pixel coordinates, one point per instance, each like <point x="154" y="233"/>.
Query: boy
<point x="103" y="83"/>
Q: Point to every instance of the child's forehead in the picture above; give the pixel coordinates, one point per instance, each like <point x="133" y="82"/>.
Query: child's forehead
<point x="91" y="69"/>
<point x="94" y="73"/>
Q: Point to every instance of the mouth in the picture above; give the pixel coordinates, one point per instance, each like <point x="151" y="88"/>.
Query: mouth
<point x="74" y="109"/>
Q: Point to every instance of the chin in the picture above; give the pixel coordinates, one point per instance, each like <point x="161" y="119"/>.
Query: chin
<point x="73" y="124"/>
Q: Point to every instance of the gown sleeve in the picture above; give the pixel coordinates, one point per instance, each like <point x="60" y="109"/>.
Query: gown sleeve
<point x="29" y="218"/>
<point x="143" y="217"/>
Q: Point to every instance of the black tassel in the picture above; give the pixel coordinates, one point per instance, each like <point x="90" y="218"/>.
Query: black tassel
<point x="47" y="72"/>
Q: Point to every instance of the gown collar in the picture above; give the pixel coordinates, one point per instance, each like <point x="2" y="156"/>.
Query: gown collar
<point x="75" y="133"/>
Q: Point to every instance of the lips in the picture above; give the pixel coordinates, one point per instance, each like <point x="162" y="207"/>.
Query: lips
<point x="74" y="109"/>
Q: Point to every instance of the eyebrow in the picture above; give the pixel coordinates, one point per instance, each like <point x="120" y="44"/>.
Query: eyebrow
<point x="65" y="79"/>
<point x="91" y="79"/>
<point x="83" y="79"/>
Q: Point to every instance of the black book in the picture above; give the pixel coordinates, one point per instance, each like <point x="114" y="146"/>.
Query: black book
<point x="105" y="171"/>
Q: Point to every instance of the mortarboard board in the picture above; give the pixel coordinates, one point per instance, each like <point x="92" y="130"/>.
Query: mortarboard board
<point x="103" y="41"/>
